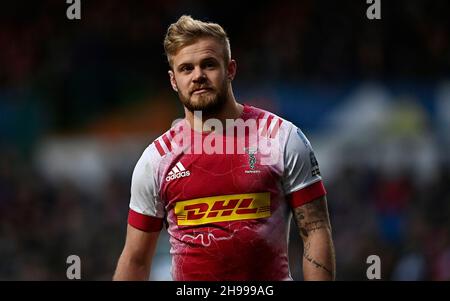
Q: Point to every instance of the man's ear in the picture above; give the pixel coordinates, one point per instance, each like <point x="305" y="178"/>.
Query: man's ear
<point x="173" y="81"/>
<point x="231" y="70"/>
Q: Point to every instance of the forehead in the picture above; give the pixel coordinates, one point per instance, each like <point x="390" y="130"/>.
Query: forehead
<point x="202" y="48"/>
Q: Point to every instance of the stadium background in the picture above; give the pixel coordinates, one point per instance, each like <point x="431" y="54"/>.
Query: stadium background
<point x="80" y="100"/>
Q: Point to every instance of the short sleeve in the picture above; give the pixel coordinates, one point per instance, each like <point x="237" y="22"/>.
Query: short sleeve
<point x="146" y="208"/>
<point x="302" y="182"/>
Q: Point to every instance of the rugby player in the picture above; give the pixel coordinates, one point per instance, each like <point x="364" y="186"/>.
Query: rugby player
<point x="225" y="196"/>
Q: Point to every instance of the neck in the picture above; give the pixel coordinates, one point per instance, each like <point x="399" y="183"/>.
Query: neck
<point x="230" y="110"/>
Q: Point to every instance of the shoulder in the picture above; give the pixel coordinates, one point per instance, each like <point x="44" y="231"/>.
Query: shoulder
<point x="290" y="138"/>
<point x="158" y="154"/>
<point x="168" y="142"/>
<point x="269" y="124"/>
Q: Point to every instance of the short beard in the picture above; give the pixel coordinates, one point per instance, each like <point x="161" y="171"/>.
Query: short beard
<point x="207" y="104"/>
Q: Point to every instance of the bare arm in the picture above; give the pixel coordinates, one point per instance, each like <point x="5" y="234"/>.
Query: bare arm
<point x="136" y="258"/>
<point x="318" y="254"/>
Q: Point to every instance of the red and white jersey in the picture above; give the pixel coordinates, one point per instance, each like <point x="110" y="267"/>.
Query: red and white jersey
<point x="227" y="214"/>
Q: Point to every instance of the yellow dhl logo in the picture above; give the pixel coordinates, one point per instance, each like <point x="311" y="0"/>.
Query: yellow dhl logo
<point x="223" y="208"/>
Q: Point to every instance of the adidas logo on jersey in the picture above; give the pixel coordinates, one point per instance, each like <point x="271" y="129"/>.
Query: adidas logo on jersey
<point x="178" y="171"/>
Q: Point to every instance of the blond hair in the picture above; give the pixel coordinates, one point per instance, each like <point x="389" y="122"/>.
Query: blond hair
<point x="186" y="31"/>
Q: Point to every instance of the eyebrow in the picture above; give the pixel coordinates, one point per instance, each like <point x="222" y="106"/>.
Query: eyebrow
<point x="179" y="67"/>
<point x="208" y="59"/>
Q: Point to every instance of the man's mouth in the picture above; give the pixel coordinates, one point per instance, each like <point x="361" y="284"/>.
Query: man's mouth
<point x="200" y="91"/>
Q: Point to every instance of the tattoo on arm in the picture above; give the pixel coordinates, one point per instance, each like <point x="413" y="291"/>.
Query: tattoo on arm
<point x="312" y="217"/>
<point x="318" y="265"/>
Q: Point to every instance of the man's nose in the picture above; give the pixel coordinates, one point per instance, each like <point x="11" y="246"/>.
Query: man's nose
<point x="199" y="75"/>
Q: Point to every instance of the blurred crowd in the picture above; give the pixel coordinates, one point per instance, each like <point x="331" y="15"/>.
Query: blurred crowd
<point x="403" y="222"/>
<point x="79" y="70"/>
<point x="41" y="224"/>
<point x="59" y="76"/>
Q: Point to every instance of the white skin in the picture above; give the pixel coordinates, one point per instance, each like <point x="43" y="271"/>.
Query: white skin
<point x="202" y="79"/>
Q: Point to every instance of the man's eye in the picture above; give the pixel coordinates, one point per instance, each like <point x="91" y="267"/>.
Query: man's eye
<point x="185" y="69"/>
